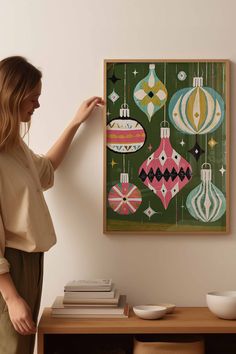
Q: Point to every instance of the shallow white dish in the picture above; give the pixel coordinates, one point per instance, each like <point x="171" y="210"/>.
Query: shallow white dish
<point x="149" y="312"/>
<point x="222" y="304"/>
<point x="169" y="307"/>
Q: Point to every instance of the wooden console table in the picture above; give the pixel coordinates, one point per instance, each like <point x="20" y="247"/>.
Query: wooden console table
<point x="185" y="320"/>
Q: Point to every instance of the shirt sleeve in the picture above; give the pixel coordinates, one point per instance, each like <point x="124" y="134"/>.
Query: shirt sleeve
<point x="45" y="170"/>
<point x="4" y="265"/>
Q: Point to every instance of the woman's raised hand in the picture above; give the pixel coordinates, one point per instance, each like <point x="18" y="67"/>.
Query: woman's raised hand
<point x="86" y="108"/>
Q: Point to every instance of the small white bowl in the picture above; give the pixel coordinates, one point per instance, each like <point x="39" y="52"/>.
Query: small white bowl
<point x="169" y="307"/>
<point x="150" y="312"/>
<point x="222" y="304"/>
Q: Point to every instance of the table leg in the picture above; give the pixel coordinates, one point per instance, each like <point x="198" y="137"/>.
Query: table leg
<point x="40" y="342"/>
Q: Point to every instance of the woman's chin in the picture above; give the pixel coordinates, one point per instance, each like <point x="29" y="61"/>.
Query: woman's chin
<point x="26" y="119"/>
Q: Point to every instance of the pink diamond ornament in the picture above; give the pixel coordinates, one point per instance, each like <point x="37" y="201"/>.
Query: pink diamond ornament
<point x="165" y="172"/>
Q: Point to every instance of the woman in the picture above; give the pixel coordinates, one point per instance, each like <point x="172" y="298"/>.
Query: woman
<point x="26" y="229"/>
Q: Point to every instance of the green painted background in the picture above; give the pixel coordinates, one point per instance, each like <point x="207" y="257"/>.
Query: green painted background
<point x="175" y="218"/>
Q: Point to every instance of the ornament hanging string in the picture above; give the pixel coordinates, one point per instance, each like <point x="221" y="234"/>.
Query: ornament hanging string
<point x="206" y="133"/>
<point x="176" y="198"/>
<point x="176" y="75"/>
<point x="125" y="107"/>
<point x="198" y="70"/>
<point x="176" y="210"/>
<point x="223" y="92"/>
<point x="125" y="86"/>
<point x="124" y="163"/>
<point x="165" y="86"/>
<point x="223" y="80"/>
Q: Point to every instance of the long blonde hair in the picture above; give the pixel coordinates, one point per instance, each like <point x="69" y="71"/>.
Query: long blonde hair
<point x="17" y="79"/>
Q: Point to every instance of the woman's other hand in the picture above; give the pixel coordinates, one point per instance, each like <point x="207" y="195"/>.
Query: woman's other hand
<point x="21" y="316"/>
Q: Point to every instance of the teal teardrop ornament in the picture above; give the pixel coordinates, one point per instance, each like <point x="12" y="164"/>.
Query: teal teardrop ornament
<point x="150" y="94"/>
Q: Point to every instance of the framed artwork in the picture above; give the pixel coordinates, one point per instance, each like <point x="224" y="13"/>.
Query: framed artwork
<point x="166" y="146"/>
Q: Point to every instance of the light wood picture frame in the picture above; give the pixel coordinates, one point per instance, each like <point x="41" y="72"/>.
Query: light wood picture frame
<point x="166" y="146"/>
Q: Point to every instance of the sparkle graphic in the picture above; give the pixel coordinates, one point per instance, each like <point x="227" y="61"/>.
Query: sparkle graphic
<point x="108" y="113"/>
<point x="212" y="142"/>
<point x="113" y="78"/>
<point x="150" y="212"/>
<point x="196" y="151"/>
<point x="113" y="163"/>
<point x="135" y="72"/>
<point x="150" y="147"/>
<point x="222" y="170"/>
<point x="182" y="143"/>
<point x="114" y="96"/>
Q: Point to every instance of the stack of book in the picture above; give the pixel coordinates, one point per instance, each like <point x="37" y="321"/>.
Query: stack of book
<point x="96" y="298"/>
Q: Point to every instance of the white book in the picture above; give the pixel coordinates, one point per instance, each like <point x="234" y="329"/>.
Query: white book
<point x="72" y="305"/>
<point x="125" y="314"/>
<point x="89" y="285"/>
<point x="73" y="300"/>
<point x="77" y="295"/>
<point x="58" y="308"/>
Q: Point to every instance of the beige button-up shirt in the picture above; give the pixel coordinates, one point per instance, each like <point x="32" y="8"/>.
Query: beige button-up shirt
<point x="25" y="222"/>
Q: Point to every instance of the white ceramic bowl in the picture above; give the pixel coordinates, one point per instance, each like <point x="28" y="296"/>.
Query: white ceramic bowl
<point x="150" y="312"/>
<point x="222" y="304"/>
<point x="169" y="307"/>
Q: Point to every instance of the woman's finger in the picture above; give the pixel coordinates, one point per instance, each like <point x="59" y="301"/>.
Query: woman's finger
<point x="91" y="99"/>
<point x="97" y="100"/>
<point x="91" y="106"/>
<point x="101" y="102"/>
<point x="24" y="327"/>
<point x="18" y="327"/>
<point x="31" y="326"/>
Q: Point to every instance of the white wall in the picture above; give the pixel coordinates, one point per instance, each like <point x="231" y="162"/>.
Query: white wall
<point x="68" y="40"/>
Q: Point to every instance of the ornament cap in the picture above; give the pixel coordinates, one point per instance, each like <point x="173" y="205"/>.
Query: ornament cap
<point x="124" y="110"/>
<point x="197" y="81"/>
<point x="165" y="132"/>
<point x="206" y="174"/>
<point x="124" y="178"/>
<point x="151" y="66"/>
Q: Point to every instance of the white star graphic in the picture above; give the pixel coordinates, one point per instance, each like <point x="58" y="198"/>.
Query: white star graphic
<point x="182" y="142"/>
<point x="108" y="113"/>
<point x="222" y="170"/>
<point x="135" y="72"/>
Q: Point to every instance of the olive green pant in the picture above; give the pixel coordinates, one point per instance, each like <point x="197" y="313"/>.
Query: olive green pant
<point x="26" y="270"/>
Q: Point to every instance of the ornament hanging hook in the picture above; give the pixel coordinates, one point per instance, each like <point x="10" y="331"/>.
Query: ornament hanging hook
<point x="206" y="164"/>
<point x="163" y="123"/>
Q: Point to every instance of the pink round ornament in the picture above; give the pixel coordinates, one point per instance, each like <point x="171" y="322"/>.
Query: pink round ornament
<point x="124" y="197"/>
